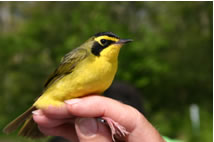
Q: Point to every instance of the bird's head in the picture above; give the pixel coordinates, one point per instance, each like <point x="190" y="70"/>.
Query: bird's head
<point x="106" y="44"/>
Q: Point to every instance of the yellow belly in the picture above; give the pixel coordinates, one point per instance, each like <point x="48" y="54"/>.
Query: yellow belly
<point x="93" y="75"/>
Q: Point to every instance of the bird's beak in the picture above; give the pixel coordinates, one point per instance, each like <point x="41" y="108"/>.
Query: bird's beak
<point x="123" y="41"/>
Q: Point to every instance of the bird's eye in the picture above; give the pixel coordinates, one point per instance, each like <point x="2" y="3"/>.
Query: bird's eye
<point x="103" y="41"/>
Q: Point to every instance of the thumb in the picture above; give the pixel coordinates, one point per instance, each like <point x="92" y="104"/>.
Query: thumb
<point x="91" y="130"/>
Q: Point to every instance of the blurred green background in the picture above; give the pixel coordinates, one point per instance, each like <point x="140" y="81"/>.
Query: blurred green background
<point x="170" y="60"/>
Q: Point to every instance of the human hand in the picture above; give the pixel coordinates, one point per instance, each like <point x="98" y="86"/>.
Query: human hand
<point x="76" y="121"/>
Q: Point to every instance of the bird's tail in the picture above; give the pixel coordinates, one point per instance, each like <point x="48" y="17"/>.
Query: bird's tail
<point x="29" y="129"/>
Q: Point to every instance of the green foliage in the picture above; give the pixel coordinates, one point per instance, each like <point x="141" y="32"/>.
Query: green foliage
<point x="170" y="60"/>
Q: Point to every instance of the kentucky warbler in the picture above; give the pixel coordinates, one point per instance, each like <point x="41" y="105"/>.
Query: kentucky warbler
<point x="88" y="69"/>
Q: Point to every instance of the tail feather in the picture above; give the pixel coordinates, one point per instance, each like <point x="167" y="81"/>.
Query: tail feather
<point x="29" y="129"/>
<point x="13" y="125"/>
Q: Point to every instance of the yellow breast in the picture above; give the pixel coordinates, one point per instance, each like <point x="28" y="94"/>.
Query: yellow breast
<point x="92" y="75"/>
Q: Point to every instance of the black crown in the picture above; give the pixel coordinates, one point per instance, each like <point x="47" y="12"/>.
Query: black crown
<point x="110" y="34"/>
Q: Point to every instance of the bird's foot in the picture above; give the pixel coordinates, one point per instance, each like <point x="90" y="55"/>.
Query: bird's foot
<point x="118" y="132"/>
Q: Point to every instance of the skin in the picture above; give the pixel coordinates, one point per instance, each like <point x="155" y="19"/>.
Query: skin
<point x="76" y="122"/>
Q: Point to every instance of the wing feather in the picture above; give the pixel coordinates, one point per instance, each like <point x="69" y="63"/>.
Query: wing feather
<point x="68" y="63"/>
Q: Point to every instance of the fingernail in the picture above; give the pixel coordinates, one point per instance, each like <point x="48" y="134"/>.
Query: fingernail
<point x="87" y="126"/>
<point x="37" y="112"/>
<point x="72" y="101"/>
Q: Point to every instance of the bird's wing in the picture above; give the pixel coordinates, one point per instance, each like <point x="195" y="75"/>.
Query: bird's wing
<point x="68" y="63"/>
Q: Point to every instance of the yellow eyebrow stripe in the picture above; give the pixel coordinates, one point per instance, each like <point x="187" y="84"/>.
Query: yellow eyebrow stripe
<point x="106" y="37"/>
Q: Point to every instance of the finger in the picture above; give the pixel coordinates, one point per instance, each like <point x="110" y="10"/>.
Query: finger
<point x="45" y="121"/>
<point x="99" y="106"/>
<point x="66" y="130"/>
<point x="57" y="112"/>
<point x="90" y="130"/>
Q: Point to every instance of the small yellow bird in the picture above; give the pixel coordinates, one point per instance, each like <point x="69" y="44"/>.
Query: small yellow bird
<point x="88" y="69"/>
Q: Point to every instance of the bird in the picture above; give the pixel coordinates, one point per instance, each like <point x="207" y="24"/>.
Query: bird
<point x="87" y="69"/>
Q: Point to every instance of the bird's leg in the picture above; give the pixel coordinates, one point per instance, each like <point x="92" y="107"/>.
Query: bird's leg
<point x="118" y="132"/>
